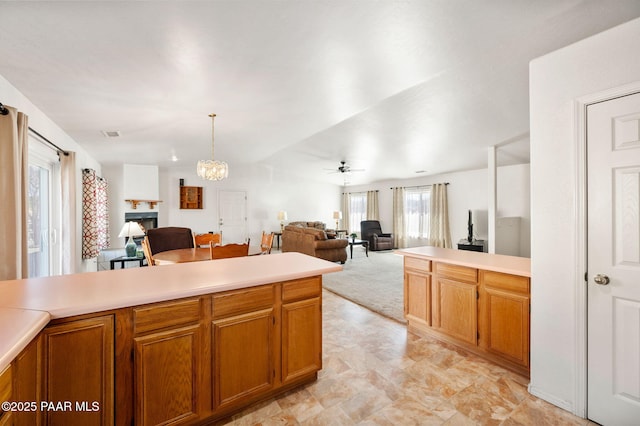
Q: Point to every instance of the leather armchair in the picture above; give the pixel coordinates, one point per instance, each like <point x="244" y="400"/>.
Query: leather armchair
<point x="371" y="231"/>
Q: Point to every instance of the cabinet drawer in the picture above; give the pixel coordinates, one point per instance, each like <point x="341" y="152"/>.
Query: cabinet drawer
<point x="241" y="301"/>
<point x="301" y="289"/>
<point x="419" y="264"/>
<point x="506" y="281"/>
<point x="5" y="388"/>
<point x="456" y="272"/>
<point x="164" y="315"/>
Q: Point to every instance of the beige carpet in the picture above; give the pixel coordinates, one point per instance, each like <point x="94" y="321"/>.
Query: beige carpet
<point x="375" y="282"/>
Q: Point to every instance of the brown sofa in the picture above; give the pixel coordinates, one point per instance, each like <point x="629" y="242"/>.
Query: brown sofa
<point x="314" y="242"/>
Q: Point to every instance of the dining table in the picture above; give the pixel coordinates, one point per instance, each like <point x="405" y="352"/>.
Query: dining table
<point x="185" y="255"/>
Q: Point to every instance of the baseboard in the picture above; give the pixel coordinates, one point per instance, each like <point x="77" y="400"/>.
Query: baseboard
<point x="565" y="405"/>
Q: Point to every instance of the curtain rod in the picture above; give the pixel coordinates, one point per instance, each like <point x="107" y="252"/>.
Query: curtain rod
<point x="5" y="111"/>
<point x="416" y="186"/>
<point x="60" y="150"/>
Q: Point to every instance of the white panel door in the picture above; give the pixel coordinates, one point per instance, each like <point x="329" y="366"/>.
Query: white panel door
<point x="613" y="176"/>
<point x="232" y="216"/>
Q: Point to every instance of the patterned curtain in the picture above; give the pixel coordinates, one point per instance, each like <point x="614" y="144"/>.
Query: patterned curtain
<point x="398" y="218"/>
<point x="373" y="210"/>
<point x="95" y="217"/>
<point x="439" y="233"/>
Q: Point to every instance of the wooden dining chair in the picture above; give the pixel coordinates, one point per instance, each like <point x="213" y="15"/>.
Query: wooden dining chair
<point x="229" y="250"/>
<point x="205" y="240"/>
<point x="147" y="252"/>
<point x="266" y="243"/>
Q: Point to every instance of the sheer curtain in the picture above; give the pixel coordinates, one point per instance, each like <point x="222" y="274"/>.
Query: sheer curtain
<point x="439" y="232"/>
<point x="373" y="210"/>
<point x="14" y="129"/>
<point x="399" y="240"/>
<point x="345" y="211"/>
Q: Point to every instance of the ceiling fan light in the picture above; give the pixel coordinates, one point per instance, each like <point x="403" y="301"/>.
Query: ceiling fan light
<point x="212" y="169"/>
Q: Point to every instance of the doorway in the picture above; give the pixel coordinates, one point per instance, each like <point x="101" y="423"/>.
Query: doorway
<point x="232" y="216"/>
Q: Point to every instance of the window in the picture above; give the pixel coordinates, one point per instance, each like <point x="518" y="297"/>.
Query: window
<point x="357" y="210"/>
<point x="417" y="205"/>
<point x="43" y="206"/>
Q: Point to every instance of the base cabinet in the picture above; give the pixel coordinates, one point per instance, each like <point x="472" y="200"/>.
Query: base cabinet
<point x="78" y="369"/>
<point x="483" y="311"/>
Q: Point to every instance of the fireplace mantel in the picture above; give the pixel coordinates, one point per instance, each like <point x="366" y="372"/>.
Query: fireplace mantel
<point x="134" y="203"/>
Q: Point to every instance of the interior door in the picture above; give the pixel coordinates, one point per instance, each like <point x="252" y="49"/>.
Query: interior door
<point x="613" y="176"/>
<point x="232" y="216"/>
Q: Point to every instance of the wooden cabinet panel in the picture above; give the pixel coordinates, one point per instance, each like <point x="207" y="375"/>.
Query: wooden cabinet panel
<point x="504" y="316"/>
<point x="417" y="288"/>
<point x="301" y="338"/>
<point x="6" y="379"/>
<point x="79" y="367"/>
<point x="165" y="315"/>
<point x="241" y="301"/>
<point x="301" y="289"/>
<point x="423" y="265"/>
<point x="27" y="382"/>
<point x="456" y="272"/>
<point x="457" y="309"/>
<point x="243" y="357"/>
<point x="167" y="366"/>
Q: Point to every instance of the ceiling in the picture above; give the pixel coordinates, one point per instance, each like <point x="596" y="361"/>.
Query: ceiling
<point x="389" y="86"/>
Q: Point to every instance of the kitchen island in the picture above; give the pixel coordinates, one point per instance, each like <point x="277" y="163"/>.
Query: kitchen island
<point x="185" y="343"/>
<point x="477" y="301"/>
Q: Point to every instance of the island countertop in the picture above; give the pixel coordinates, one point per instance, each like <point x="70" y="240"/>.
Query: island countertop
<point x="27" y="305"/>
<point x="491" y="262"/>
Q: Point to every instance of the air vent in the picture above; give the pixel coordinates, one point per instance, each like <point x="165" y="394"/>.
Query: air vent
<point x="111" y="133"/>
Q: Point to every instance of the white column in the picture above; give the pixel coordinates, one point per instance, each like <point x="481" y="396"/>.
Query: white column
<point x="493" y="197"/>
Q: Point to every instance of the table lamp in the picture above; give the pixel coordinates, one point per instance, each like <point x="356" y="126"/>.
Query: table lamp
<point x="282" y="216"/>
<point x="131" y="229"/>
<point x="337" y="216"/>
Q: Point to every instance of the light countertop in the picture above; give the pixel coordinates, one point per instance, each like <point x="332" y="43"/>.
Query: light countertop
<point x="491" y="262"/>
<point x="27" y="305"/>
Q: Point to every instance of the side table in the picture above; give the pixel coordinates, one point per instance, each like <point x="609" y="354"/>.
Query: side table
<point x="363" y="243"/>
<point x="123" y="259"/>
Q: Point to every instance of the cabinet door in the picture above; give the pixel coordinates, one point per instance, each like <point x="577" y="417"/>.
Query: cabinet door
<point x="28" y="368"/>
<point x="301" y="339"/>
<point x="167" y="366"/>
<point x="78" y="369"/>
<point x="243" y="356"/>
<point x="417" y="290"/>
<point x="504" y="316"/>
<point x="6" y="394"/>
<point x="458" y="309"/>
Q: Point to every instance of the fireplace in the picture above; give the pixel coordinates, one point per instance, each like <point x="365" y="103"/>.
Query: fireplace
<point x="146" y="220"/>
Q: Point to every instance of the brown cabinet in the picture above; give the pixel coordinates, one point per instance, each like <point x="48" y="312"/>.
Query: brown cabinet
<point x="417" y="291"/>
<point x="190" y="197"/>
<point x="78" y="368"/>
<point x="27" y="382"/>
<point x="6" y="394"/>
<point x="483" y="311"/>
<point x="301" y="328"/>
<point x="168" y="362"/>
<point x="504" y="321"/>
<point x="244" y="326"/>
<point x="455" y="298"/>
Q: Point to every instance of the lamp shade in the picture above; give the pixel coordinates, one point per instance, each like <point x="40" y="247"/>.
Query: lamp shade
<point x="282" y="215"/>
<point x="337" y="215"/>
<point x="131" y="229"/>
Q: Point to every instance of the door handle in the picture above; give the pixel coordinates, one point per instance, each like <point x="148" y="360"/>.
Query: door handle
<point x="601" y="279"/>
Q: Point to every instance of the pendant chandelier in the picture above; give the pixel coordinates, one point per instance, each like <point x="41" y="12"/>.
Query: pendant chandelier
<point x="212" y="169"/>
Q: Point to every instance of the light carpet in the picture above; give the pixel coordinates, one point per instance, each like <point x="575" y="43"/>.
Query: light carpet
<point x="375" y="282"/>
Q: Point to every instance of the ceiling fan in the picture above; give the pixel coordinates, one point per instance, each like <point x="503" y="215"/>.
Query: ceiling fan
<point x="344" y="168"/>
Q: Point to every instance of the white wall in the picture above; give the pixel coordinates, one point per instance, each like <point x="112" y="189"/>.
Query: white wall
<point x="38" y="121"/>
<point x="268" y="191"/>
<point x="467" y="191"/>
<point x="557" y="80"/>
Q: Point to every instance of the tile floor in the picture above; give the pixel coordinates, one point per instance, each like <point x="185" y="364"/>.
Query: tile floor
<point x="375" y="373"/>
